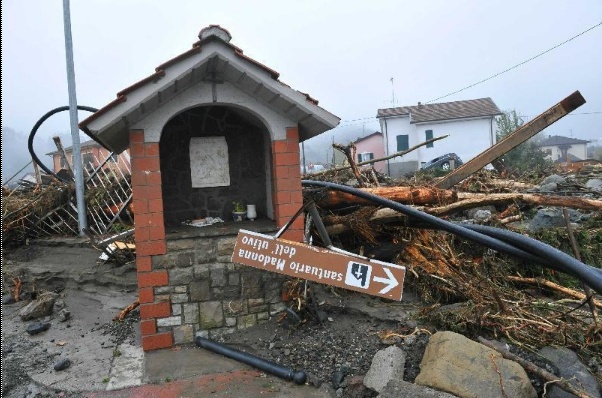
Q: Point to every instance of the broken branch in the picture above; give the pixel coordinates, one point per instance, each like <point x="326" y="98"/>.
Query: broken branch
<point x="126" y="311"/>
<point x="554" y="286"/>
<point x="372" y="161"/>
<point x="530" y="367"/>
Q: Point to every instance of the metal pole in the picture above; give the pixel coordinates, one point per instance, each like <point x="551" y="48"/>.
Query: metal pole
<point x="77" y="158"/>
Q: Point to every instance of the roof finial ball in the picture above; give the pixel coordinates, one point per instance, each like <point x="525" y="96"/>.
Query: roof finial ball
<point x="217" y="31"/>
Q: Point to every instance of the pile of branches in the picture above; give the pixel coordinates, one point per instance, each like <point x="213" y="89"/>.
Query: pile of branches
<point x="23" y="209"/>
<point x="469" y="288"/>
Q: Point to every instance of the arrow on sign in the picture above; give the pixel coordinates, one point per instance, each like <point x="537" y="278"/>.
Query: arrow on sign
<point x="390" y="281"/>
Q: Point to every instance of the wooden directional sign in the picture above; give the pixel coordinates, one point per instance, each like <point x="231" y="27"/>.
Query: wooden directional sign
<point x="319" y="265"/>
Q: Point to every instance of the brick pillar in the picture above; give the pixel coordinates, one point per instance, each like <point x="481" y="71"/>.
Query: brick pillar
<point x="286" y="182"/>
<point x="150" y="238"/>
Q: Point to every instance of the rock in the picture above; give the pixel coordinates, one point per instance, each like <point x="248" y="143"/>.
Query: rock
<point x="552" y="217"/>
<point x="64" y="315"/>
<point x="337" y="379"/>
<point x="572" y="370"/>
<point x="471" y="213"/>
<point x="595" y="184"/>
<point x="313" y="380"/>
<point x="404" y="389"/>
<point x="59" y="304"/>
<point x="8" y="299"/>
<point x="482" y="216"/>
<point x="554" y="178"/>
<point x="387" y="364"/>
<point x="549" y="187"/>
<point x="37" y="327"/>
<point x="42" y="306"/>
<point x="62" y="364"/>
<point x="458" y="365"/>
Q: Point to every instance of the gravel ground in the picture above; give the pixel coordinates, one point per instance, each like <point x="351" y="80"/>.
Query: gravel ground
<point x="22" y="355"/>
<point x="335" y="351"/>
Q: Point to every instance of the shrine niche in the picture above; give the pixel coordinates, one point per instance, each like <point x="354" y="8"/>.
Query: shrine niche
<point x="207" y="129"/>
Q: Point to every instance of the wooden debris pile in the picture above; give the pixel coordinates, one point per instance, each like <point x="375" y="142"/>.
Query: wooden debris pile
<point x="469" y="288"/>
<point x="49" y="209"/>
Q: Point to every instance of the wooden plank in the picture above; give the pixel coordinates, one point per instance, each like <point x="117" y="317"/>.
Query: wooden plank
<point x="320" y="265"/>
<point x="514" y="139"/>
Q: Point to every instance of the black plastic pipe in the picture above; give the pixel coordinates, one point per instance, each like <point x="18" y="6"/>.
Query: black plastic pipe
<point x="283" y="372"/>
<point x="35" y="128"/>
<point x="504" y="241"/>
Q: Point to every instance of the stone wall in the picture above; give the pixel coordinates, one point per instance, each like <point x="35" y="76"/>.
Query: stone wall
<point x="209" y="294"/>
<point x="246" y="148"/>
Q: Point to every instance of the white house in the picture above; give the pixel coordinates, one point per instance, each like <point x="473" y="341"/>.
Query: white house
<point x="564" y="149"/>
<point x="469" y="125"/>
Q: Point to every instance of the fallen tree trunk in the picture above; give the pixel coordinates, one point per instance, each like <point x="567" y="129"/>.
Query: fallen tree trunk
<point x="467" y="200"/>
<point x="407" y="195"/>
<point x="453" y="201"/>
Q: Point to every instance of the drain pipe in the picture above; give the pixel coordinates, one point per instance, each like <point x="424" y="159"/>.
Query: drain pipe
<point x="283" y="372"/>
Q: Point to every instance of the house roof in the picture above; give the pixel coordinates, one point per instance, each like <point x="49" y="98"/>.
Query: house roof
<point x="89" y="143"/>
<point x="421" y="113"/>
<point x="110" y="124"/>
<point x="368" y="136"/>
<point x="556" y="140"/>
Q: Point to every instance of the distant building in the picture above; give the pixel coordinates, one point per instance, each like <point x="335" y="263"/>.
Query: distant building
<point x="564" y="149"/>
<point x="469" y="125"/>
<point x="93" y="154"/>
<point x="371" y="147"/>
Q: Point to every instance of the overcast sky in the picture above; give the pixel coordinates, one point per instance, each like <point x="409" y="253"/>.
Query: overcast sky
<point x="344" y="53"/>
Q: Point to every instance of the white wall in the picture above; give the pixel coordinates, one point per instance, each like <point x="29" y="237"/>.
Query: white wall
<point x="578" y="150"/>
<point x="467" y="138"/>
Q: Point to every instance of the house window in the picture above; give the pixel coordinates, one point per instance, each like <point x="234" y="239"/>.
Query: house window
<point x="364" y="157"/>
<point x="88" y="160"/>
<point x="429" y="136"/>
<point x="63" y="162"/>
<point x="114" y="158"/>
<point x="403" y="142"/>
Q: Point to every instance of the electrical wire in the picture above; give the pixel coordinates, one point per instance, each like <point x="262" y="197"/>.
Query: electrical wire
<point x="500" y="240"/>
<point x="517" y="65"/>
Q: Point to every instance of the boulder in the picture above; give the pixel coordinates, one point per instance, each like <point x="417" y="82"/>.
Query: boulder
<point x="40" y="307"/>
<point x="554" y="178"/>
<point x="572" y="370"/>
<point x="552" y="218"/>
<point x="387" y="364"/>
<point x="404" y="389"/>
<point x="458" y="365"/>
<point x="595" y="184"/>
<point x="62" y="364"/>
<point x="549" y="187"/>
<point x="37" y="327"/>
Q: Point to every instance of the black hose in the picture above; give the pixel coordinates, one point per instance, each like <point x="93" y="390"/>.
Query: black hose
<point x="283" y="372"/>
<point x="504" y="241"/>
<point x="35" y="128"/>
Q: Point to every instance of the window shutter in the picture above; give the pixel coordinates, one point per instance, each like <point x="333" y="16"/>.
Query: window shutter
<point x="403" y="142"/>
<point x="429" y="136"/>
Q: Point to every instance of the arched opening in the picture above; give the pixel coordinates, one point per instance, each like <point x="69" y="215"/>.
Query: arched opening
<point x="248" y="164"/>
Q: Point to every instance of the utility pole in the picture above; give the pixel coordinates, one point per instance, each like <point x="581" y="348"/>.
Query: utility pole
<point x="392" y="94"/>
<point x="78" y="174"/>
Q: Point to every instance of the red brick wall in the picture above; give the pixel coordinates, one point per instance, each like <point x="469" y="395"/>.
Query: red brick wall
<point x="286" y="182"/>
<point x="150" y="227"/>
<point x="150" y="238"/>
